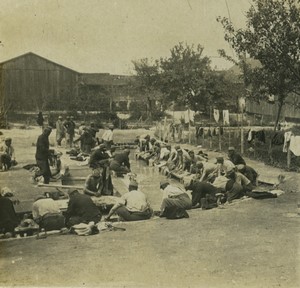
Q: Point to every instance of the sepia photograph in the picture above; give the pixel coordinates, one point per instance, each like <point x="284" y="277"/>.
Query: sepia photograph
<point x="150" y="143"/>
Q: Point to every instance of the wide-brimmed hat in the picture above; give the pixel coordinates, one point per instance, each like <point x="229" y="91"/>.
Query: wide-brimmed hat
<point x="231" y="148"/>
<point x="7" y="139"/>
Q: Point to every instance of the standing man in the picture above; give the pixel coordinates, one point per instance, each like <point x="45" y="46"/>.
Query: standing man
<point x="40" y="119"/>
<point x="235" y="157"/>
<point x="107" y="137"/>
<point x="42" y="155"/>
<point x="70" y="130"/>
<point x="60" y="131"/>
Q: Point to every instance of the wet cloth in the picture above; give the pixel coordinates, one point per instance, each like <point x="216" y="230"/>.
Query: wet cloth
<point x="278" y="138"/>
<point x="295" y="145"/>
<point x="220" y="182"/>
<point x="287" y="138"/>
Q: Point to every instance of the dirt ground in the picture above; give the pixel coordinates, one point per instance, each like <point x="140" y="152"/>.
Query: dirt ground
<point x="249" y="243"/>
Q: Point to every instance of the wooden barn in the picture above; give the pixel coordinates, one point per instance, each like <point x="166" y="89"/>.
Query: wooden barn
<point x="30" y="83"/>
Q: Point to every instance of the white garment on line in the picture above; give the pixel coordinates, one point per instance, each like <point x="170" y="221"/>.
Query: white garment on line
<point x="287" y="138"/>
<point x="295" y="145"/>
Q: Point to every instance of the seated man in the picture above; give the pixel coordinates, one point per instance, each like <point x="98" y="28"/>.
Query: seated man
<point x="173" y="197"/>
<point x="200" y="190"/>
<point x="240" y="179"/>
<point x="234" y="157"/>
<point x="7" y="155"/>
<point x="133" y="205"/>
<point x="94" y="183"/>
<point x="81" y="209"/>
<point x="46" y="213"/>
<point x="207" y="169"/>
<point x="249" y="172"/>
<point x="8" y="217"/>
<point x="120" y="163"/>
<point x="223" y="166"/>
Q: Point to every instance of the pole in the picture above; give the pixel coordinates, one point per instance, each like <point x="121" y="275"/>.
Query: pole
<point x="220" y="144"/>
<point x="189" y="126"/>
<point x="165" y="124"/>
<point x="288" y="157"/>
<point x="242" y="135"/>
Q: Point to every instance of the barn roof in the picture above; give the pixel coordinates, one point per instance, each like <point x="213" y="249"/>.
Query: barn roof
<point x="105" y="79"/>
<point x="35" y="55"/>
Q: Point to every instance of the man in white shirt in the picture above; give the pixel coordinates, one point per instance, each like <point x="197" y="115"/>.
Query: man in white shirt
<point x="46" y="213"/>
<point x="107" y="137"/>
<point x="133" y="205"/>
<point x="173" y="196"/>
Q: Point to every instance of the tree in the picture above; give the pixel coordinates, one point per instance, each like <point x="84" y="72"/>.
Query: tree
<point x="185" y="76"/>
<point x="147" y="83"/>
<point x="272" y="36"/>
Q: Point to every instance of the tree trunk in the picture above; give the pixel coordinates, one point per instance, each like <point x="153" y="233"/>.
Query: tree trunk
<point x="280" y="105"/>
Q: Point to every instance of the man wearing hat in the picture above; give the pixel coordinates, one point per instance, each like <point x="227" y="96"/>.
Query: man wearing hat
<point x="173" y="196"/>
<point x="60" y="131"/>
<point x="7" y="154"/>
<point x="46" y="213"/>
<point x="81" y="209"/>
<point x="42" y="155"/>
<point x="234" y="157"/>
<point x="133" y="205"/>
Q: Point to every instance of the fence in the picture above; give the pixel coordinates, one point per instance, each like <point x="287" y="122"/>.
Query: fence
<point x="221" y="138"/>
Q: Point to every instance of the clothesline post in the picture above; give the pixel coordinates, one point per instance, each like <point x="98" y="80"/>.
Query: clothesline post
<point x="220" y="144"/>
<point x="189" y="126"/>
<point x="242" y="135"/>
<point x="288" y="157"/>
<point x="165" y="127"/>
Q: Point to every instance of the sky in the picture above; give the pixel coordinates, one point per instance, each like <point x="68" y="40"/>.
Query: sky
<point x="105" y="36"/>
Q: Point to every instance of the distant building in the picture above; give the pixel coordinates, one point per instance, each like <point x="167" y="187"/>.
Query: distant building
<point x="30" y="83"/>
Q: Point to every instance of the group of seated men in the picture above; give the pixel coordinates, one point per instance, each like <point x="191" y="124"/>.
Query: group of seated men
<point x="229" y="179"/>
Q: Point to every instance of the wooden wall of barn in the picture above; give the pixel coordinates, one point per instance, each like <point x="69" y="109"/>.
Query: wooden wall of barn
<point x="265" y="108"/>
<point x="32" y="83"/>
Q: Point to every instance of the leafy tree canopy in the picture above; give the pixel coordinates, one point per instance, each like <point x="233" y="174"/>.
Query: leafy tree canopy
<point x="272" y="36"/>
